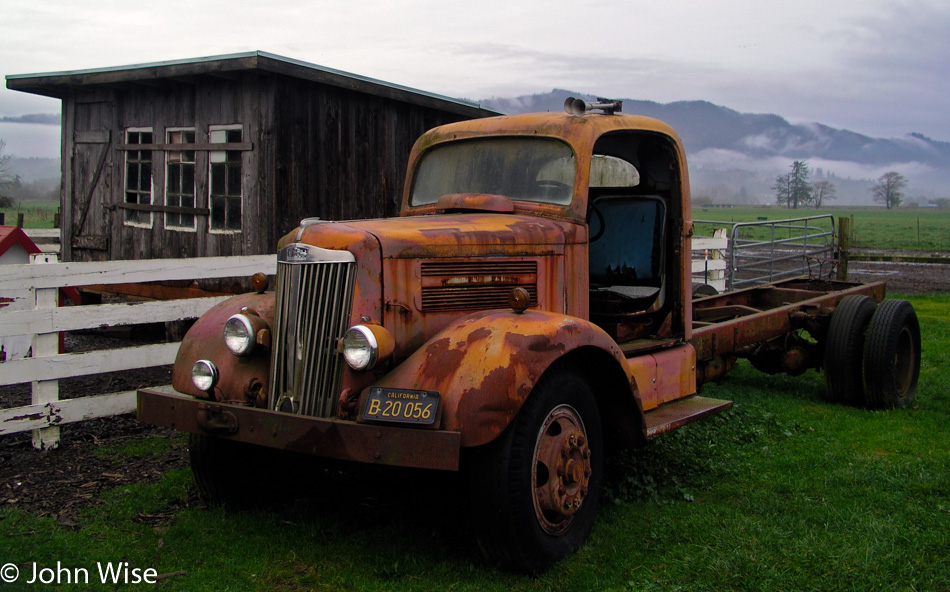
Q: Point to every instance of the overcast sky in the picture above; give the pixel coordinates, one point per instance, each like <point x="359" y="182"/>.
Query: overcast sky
<point x="877" y="67"/>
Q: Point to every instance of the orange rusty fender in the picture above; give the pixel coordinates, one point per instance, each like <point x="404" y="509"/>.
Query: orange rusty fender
<point x="485" y="366"/>
<point x="242" y="379"/>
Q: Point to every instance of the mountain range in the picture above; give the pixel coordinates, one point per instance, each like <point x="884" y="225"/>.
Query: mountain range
<point x="734" y="157"/>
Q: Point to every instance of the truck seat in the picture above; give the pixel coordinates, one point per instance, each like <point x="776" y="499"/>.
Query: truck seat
<point x="626" y="251"/>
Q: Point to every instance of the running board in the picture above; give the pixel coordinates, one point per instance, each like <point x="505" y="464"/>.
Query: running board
<point x="679" y="413"/>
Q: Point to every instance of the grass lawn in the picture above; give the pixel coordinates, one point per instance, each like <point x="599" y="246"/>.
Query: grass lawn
<point x="36" y="214"/>
<point x="784" y="492"/>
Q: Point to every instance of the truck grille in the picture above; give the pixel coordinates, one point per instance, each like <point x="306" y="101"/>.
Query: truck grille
<point x="314" y="299"/>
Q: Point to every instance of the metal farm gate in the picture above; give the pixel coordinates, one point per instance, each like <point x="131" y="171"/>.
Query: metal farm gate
<point x="767" y="250"/>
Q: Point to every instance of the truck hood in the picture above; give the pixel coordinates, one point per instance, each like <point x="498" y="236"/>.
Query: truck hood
<point x="482" y="234"/>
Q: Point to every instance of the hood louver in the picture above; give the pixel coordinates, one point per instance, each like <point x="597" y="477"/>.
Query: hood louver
<point x="472" y="285"/>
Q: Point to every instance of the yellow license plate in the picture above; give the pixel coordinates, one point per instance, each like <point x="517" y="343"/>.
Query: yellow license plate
<point x="402" y="406"/>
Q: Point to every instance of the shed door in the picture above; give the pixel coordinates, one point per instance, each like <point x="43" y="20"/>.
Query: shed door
<point x="91" y="176"/>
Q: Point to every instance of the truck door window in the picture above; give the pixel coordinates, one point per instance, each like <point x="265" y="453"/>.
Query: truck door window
<point x="610" y="171"/>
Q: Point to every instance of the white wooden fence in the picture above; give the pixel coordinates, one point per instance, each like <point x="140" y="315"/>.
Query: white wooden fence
<point x="47" y="239"/>
<point x="709" y="261"/>
<point x="44" y="320"/>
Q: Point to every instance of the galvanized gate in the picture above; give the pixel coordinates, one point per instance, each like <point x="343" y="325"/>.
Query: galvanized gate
<point x="768" y="250"/>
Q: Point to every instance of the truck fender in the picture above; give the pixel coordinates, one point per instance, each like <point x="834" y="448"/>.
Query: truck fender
<point x="485" y="366"/>
<point x="242" y="379"/>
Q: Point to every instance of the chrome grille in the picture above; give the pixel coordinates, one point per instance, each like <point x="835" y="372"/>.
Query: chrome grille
<point x="314" y="299"/>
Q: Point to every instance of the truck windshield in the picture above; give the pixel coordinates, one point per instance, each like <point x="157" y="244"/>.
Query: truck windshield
<point x="522" y="169"/>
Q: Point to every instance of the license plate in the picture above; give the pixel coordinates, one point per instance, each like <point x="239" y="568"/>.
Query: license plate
<point x="402" y="406"/>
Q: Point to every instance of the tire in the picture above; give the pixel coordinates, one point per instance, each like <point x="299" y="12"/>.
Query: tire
<point x="892" y="356"/>
<point x="844" y="349"/>
<point x="700" y="289"/>
<point x="239" y="475"/>
<point x="535" y="489"/>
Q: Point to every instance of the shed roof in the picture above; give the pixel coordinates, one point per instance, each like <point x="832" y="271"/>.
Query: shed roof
<point x="12" y="235"/>
<point x="56" y="84"/>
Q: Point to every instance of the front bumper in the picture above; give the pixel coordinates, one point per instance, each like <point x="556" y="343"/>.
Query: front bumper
<point x="329" y="438"/>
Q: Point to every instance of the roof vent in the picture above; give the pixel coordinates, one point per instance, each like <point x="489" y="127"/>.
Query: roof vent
<point x="580" y="107"/>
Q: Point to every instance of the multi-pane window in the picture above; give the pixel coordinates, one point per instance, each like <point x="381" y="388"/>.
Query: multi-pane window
<point x="225" y="186"/>
<point x="180" y="179"/>
<point x="138" y="176"/>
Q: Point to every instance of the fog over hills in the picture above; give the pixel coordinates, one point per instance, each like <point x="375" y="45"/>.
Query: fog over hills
<point x="734" y="157"/>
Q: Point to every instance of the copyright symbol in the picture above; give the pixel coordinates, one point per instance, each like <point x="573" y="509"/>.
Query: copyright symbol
<point x="9" y="573"/>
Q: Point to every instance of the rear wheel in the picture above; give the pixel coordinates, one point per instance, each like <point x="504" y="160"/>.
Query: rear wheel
<point x="535" y="488"/>
<point x="844" y="349"/>
<point x="892" y="355"/>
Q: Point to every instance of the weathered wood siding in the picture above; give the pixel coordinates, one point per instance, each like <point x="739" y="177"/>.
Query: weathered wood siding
<point x="340" y="154"/>
<point x="316" y="150"/>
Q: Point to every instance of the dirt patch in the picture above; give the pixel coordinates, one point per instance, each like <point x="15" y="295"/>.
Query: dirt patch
<point x="58" y="482"/>
<point x="903" y="278"/>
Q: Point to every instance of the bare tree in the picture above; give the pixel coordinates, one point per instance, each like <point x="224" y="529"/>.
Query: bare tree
<point x="889" y="189"/>
<point x="5" y="176"/>
<point x="821" y="191"/>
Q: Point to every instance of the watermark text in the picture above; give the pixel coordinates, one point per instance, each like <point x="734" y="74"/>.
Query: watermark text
<point x="117" y="572"/>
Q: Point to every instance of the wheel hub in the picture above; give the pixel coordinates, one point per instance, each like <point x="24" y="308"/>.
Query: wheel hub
<point x="561" y="469"/>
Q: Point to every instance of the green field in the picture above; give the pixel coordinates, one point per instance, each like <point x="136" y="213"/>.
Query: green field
<point x="784" y="492"/>
<point x="36" y="214"/>
<point x="913" y="229"/>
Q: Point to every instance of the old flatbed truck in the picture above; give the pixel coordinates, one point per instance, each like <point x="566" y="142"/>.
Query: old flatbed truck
<point x="529" y="311"/>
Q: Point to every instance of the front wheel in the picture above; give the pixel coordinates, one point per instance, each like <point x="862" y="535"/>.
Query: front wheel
<point x="535" y="488"/>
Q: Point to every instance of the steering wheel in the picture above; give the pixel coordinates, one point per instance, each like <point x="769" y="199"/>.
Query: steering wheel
<point x="595" y="211"/>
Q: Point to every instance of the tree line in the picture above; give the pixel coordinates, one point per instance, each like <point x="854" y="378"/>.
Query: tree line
<point x="794" y="189"/>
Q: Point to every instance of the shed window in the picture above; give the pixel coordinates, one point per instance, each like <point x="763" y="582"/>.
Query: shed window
<point x="138" y="177"/>
<point x="180" y="179"/>
<point x="225" y="187"/>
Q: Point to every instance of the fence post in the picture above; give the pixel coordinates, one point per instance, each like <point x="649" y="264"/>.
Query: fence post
<point x="844" y="243"/>
<point x="45" y="392"/>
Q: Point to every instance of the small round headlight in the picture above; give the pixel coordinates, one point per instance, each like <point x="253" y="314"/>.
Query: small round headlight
<point x="204" y="375"/>
<point x="239" y="335"/>
<point x="360" y="349"/>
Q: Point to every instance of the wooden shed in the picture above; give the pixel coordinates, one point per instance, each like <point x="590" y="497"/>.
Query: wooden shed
<point x="223" y="155"/>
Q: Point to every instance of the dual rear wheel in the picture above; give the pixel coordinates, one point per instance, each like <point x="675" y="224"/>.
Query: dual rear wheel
<point x="872" y="353"/>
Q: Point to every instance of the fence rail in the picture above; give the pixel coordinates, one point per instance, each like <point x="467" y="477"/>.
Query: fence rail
<point x="709" y="262"/>
<point x="46" y="239"/>
<point x="44" y="320"/>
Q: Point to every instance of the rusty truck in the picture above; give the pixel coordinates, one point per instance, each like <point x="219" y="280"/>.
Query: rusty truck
<point x="530" y="311"/>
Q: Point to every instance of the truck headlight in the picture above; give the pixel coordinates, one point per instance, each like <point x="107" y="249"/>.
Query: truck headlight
<point x="204" y="375"/>
<point x="239" y="335"/>
<point x="360" y="348"/>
